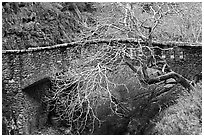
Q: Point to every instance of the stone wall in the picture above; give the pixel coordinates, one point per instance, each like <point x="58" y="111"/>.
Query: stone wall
<point x="26" y="76"/>
<point x="190" y="65"/>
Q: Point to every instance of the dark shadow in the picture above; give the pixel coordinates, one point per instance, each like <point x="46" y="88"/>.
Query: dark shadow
<point x="35" y="106"/>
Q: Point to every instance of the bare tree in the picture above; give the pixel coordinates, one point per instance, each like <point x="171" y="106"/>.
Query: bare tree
<point x="89" y="82"/>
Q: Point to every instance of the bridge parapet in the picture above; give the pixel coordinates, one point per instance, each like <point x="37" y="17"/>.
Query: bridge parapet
<point x="31" y="65"/>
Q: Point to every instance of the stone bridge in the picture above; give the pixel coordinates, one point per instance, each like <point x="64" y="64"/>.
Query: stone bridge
<point x="26" y="75"/>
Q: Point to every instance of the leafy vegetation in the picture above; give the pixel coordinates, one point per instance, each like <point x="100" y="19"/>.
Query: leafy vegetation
<point x="43" y="24"/>
<point x="184" y="117"/>
<point x="34" y="24"/>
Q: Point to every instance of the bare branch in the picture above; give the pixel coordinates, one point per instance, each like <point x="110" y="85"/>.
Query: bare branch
<point x="178" y="78"/>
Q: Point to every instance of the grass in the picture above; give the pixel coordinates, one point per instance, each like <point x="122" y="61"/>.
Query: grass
<point x="182" y="118"/>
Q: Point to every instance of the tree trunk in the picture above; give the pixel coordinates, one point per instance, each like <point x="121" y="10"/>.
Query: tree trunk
<point x="177" y="77"/>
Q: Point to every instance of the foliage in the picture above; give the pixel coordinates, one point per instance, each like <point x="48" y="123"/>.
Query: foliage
<point x="183" y="118"/>
<point x="170" y="21"/>
<point x="33" y="24"/>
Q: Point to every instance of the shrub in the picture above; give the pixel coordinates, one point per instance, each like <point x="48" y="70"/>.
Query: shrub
<point x="183" y="118"/>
